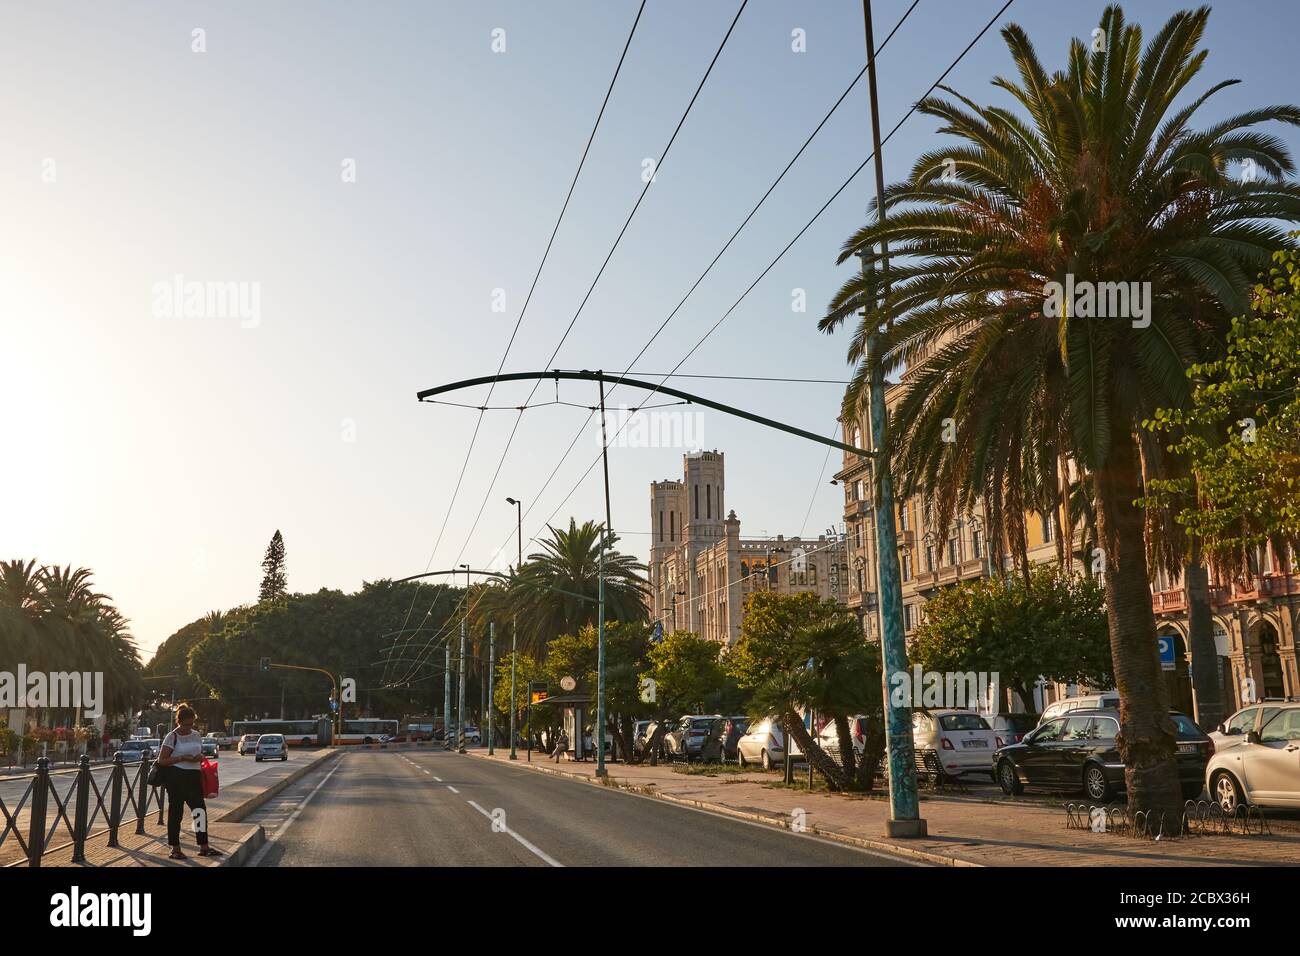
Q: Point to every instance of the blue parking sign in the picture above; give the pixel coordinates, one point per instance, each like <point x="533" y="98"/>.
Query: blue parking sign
<point x="1167" y="652"/>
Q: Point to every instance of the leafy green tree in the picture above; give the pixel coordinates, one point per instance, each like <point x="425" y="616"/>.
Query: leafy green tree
<point x="683" y="670"/>
<point x="275" y="583"/>
<point x="1100" y="179"/>
<point x="1053" y="627"/>
<point x="1242" y="431"/>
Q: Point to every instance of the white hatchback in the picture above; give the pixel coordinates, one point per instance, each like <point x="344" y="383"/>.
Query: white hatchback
<point x="764" y="744"/>
<point x="1263" y="769"/>
<point x="962" y="739"/>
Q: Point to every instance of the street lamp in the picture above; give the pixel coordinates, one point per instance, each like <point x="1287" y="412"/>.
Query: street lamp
<point x="514" y="638"/>
<point x="460" y="664"/>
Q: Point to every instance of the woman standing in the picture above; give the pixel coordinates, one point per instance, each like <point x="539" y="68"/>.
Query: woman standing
<point x="182" y="751"/>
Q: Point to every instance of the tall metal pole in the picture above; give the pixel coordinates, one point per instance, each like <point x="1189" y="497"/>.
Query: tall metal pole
<point x="492" y="652"/>
<point x="904" y="807"/>
<point x="460" y="707"/>
<point x="446" y="696"/>
<point x="514" y="633"/>
<point x="600" y="635"/>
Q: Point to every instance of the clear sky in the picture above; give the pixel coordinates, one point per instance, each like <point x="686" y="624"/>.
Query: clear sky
<point x="163" y="451"/>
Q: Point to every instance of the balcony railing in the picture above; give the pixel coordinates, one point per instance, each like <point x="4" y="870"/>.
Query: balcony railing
<point x="1250" y="589"/>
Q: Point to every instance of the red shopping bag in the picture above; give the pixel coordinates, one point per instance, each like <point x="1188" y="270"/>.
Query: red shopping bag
<point x="211" y="783"/>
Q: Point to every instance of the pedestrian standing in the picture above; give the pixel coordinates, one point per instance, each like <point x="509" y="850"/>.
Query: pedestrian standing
<point x="182" y="753"/>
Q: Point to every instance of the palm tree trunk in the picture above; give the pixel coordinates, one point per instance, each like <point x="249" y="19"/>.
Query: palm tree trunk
<point x="846" y="744"/>
<point x="820" y="759"/>
<point x="1147" y="734"/>
<point x="1200" y="641"/>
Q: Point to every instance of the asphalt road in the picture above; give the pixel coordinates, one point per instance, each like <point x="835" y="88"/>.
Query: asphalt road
<point x="432" y="808"/>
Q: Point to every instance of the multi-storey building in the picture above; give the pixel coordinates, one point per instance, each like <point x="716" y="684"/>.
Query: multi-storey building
<point x="701" y="569"/>
<point x="1256" y="619"/>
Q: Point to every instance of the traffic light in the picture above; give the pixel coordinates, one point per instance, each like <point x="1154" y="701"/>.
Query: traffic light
<point x="266" y="664"/>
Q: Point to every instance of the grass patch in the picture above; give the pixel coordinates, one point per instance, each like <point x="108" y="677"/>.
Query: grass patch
<point x="712" y="769"/>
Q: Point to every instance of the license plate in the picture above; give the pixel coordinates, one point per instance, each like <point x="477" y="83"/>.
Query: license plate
<point x="975" y="743"/>
<point x="1188" y="748"/>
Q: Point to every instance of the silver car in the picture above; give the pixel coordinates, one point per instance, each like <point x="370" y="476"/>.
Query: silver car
<point x="1264" y="768"/>
<point x="271" y="747"/>
<point x="133" y="751"/>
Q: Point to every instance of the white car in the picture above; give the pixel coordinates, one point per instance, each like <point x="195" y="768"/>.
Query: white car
<point x="764" y="744"/>
<point x="271" y="747"/>
<point x="247" y="744"/>
<point x="1251" y="717"/>
<point x="1263" y="769"/>
<point x="1103" y="701"/>
<point x="962" y="739"/>
<point x="829" y="738"/>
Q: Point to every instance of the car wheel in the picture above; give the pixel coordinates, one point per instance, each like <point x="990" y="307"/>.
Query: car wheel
<point x="1008" y="780"/>
<point x="766" y="761"/>
<point x="740" y="758"/>
<point x="1095" y="784"/>
<point x="284" y="757"/>
<point x="258" y="759"/>
<point x="1226" y="793"/>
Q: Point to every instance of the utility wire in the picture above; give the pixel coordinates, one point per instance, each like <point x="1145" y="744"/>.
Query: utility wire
<point x="545" y="255"/>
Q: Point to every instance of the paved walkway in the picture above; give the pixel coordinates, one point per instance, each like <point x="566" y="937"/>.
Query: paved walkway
<point x="236" y="840"/>
<point x="962" y="831"/>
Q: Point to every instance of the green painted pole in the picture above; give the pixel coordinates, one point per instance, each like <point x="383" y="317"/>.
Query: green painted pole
<point x="492" y="662"/>
<point x="904" y="805"/>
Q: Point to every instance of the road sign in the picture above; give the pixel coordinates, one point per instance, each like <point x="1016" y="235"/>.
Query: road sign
<point x="538" y="696"/>
<point x="1167" y="649"/>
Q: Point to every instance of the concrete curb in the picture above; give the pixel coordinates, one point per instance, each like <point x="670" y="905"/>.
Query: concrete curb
<point x="259" y="799"/>
<point x="249" y="843"/>
<point x="926" y="856"/>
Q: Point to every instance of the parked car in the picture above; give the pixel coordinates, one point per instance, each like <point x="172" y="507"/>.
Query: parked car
<point x="1264" y="768"/>
<point x="829" y="738"/>
<point x="1106" y="699"/>
<point x="641" y="733"/>
<point x="136" y="749"/>
<point x="1251" y="717"/>
<point x="247" y="744"/>
<point x="209" y="746"/>
<point x="1011" y="728"/>
<point x="222" y="740"/>
<point x="763" y="743"/>
<point x="1078" y="751"/>
<point x="472" y="735"/>
<point x="733" y="729"/>
<point x="271" y="747"/>
<point x="962" y="739"/>
<point x="687" y="738"/>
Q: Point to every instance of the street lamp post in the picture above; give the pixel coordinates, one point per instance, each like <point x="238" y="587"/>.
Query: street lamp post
<point x="492" y="653"/>
<point x="460" y="667"/>
<point x="514" y="634"/>
<point x="904" y="805"/>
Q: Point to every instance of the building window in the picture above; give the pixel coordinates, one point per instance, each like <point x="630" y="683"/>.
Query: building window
<point x="902" y="517"/>
<point x="907" y="617"/>
<point x="929" y="558"/>
<point x="697" y="502"/>
<point x="975" y="544"/>
<point x="952" y="551"/>
<point x="661" y="525"/>
<point x="906" y="566"/>
<point x="708" y="501"/>
<point x="672" y="526"/>
<point x="1049" y="531"/>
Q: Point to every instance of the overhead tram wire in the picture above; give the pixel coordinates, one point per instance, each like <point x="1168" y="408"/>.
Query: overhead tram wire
<point x="799" y="235"/>
<point x="545" y="255"/>
<point x="663" y="156"/>
<point x="716" y="258"/>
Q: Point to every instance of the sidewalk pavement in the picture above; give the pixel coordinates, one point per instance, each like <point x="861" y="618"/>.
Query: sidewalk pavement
<point x="236" y="840"/>
<point x="963" y="831"/>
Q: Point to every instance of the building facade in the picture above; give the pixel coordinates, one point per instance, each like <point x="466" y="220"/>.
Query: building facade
<point x="1256" y="619"/>
<point x="701" y="569"/>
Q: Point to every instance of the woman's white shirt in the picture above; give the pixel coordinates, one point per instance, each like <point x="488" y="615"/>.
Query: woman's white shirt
<point x="187" y="747"/>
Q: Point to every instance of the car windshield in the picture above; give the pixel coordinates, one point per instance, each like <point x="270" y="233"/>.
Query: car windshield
<point x="702" y="723"/>
<point x="962" y="722"/>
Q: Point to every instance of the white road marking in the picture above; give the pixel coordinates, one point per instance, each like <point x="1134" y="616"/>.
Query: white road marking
<point x="452" y="789"/>
<point x="439" y="779"/>
<point x="532" y="848"/>
<point x="272" y="838"/>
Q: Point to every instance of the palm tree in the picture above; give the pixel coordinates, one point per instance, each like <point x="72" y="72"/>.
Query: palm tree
<point x="1102" y="182"/>
<point x="556" y="591"/>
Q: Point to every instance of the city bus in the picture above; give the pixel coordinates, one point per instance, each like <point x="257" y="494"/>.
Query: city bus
<point x="366" y="730"/>
<point x="311" y="732"/>
<point x="420" y="727"/>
